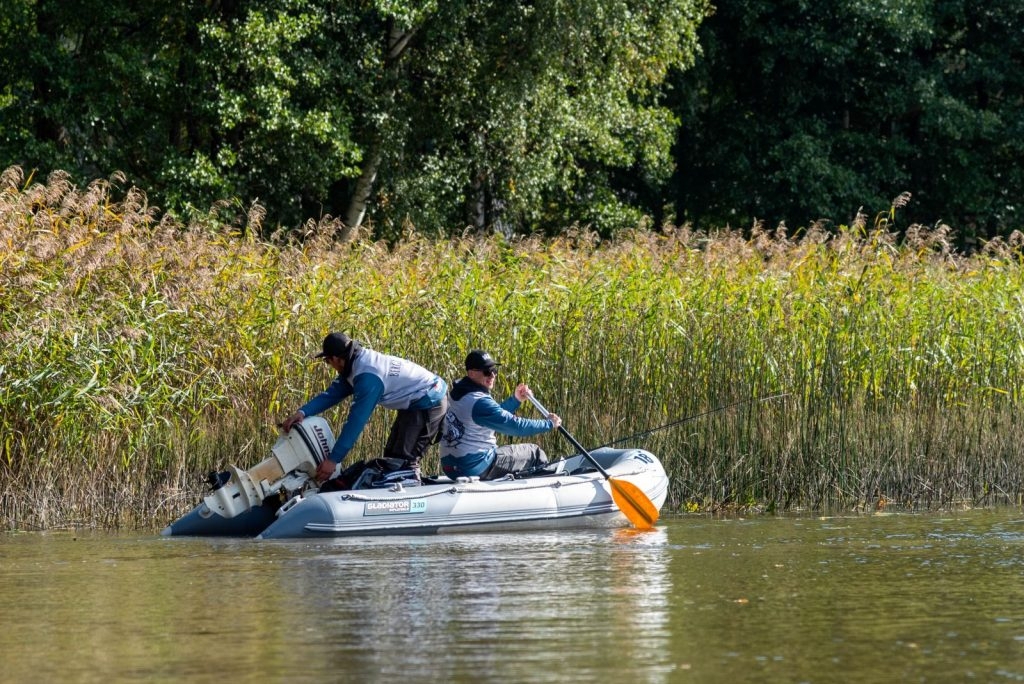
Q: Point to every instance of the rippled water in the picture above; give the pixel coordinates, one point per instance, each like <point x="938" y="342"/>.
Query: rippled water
<point x="854" y="599"/>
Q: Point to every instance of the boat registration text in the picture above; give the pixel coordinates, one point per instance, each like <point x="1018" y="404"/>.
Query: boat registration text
<point x="394" y="507"/>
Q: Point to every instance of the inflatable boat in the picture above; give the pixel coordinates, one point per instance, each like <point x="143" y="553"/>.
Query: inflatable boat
<point x="278" y="498"/>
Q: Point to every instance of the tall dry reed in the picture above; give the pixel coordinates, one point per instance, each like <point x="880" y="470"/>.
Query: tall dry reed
<point x="136" y="354"/>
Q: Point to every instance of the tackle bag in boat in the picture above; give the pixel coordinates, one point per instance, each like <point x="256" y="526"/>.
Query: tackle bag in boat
<point x="372" y="474"/>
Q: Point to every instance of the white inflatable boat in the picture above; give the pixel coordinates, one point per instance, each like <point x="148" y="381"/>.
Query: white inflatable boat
<point x="278" y="499"/>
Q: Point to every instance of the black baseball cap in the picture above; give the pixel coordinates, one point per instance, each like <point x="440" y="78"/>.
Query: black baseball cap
<point x="336" y="344"/>
<point x="480" y="360"/>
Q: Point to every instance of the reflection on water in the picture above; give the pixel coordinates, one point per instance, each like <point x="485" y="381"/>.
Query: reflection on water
<point x="904" y="597"/>
<point x="456" y="607"/>
<point x="532" y="607"/>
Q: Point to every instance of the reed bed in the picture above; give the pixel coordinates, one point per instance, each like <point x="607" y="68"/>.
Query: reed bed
<point x="136" y="354"/>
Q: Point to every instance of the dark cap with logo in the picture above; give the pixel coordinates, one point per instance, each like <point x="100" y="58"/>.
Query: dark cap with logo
<point x="336" y="344"/>
<point x="480" y="360"/>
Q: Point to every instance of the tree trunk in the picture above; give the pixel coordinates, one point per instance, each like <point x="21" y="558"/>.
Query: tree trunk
<point x="398" y="42"/>
<point x="356" y="211"/>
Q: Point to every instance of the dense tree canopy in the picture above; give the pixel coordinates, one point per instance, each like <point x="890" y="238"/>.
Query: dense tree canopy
<point x="490" y="113"/>
<point x="528" y="116"/>
<point x="802" y="110"/>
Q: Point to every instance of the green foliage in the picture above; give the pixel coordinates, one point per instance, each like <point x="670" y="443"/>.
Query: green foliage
<point x="802" y="110"/>
<point x="264" y="125"/>
<point x="527" y="118"/>
<point x="520" y="114"/>
<point x="488" y="114"/>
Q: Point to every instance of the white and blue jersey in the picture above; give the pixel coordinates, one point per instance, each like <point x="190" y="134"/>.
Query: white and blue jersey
<point x="373" y="378"/>
<point x="468" y="443"/>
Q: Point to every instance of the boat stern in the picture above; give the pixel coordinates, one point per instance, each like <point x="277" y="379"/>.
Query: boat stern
<point x="202" y="522"/>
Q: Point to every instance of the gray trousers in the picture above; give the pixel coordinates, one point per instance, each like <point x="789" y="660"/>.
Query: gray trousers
<point x="513" y="458"/>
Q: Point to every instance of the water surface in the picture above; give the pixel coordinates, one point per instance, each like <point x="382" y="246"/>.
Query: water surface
<point x="926" y="597"/>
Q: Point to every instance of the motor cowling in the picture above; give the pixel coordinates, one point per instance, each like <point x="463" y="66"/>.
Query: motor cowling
<point x="295" y="453"/>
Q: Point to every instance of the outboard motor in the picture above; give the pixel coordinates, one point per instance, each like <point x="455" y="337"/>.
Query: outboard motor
<point x="294" y="459"/>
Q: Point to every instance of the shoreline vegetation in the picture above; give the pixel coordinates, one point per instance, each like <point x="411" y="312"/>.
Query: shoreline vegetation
<point x="137" y="354"/>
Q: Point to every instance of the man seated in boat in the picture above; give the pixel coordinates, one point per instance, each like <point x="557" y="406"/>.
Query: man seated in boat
<point x="468" y="444"/>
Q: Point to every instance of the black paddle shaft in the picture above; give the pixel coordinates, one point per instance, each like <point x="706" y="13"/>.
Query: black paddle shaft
<point x="572" y="440"/>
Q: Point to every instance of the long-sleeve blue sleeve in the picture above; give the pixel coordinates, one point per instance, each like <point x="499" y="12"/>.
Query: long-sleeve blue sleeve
<point x="489" y="413"/>
<point x="367" y="391"/>
<point x="511" y="404"/>
<point x="335" y="392"/>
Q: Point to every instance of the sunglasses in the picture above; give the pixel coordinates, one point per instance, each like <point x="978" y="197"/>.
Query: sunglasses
<point x="490" y="373"/>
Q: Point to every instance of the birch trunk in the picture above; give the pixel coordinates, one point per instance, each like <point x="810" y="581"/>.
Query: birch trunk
<point x="356" y="211"/>
<point x="398" y="41"/>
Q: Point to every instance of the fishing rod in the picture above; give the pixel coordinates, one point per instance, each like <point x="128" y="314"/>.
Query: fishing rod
<point x="537" y="469"/>
<point x="689" y="418"/>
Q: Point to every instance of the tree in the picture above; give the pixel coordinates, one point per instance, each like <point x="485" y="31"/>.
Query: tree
<point x="971" y="120"/>
<point x="267" y="116"/>
<point x="518" y="116"/>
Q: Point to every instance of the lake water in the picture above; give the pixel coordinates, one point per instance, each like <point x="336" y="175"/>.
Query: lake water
<point x="901" y="598"/>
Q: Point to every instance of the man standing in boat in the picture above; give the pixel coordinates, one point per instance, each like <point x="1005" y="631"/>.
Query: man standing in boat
<point x="468" y="444"/>
<point x="371" y="378"/>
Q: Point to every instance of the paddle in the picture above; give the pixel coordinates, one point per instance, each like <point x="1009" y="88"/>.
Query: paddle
<point x="633" y="503"/>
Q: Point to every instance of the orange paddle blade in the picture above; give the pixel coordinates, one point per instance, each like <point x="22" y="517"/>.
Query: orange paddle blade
<point x="634" y="504"/>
